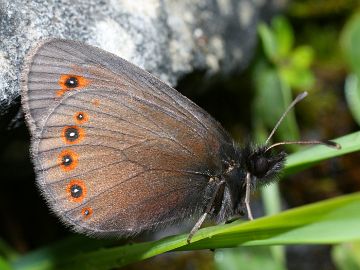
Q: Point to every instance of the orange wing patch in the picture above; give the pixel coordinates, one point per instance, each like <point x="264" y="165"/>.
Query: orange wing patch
<point x="95" y="102"/>
<point x="69" y="82"/>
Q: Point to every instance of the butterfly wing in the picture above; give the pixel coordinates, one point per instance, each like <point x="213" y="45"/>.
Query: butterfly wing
<point x="116" y="151"/>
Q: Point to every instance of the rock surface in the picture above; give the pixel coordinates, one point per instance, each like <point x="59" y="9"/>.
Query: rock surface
<point x="168" y="38"/>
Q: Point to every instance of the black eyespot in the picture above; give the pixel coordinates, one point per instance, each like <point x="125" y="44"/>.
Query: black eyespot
<point x="80" y="116"/>
<point x="87" y="212"/>
<point x="71" y="82"/>
<point x="66" y="160"/>
<point x="76" y="191"/>
<point x="71" y="134"/>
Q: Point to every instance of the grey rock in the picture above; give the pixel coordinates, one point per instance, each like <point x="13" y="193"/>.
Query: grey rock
<point x="169" y="38"/>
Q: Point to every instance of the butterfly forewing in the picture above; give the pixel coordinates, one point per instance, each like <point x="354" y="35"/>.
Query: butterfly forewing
<point x="53" y="60"/>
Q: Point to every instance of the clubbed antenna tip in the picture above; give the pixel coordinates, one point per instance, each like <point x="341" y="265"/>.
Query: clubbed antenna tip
<point x="332" y="144"/>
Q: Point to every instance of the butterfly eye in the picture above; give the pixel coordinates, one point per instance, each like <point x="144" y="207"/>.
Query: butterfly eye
<point x="261" y="167"/>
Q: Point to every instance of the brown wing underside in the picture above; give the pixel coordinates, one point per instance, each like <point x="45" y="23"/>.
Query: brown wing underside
<point x="143" y="152"/>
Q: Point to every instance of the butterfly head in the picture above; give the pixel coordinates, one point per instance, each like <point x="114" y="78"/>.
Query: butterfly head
<point x="262" y="163"/>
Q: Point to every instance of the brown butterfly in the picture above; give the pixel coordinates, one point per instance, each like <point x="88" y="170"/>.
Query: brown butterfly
<point x="118" y="152"/>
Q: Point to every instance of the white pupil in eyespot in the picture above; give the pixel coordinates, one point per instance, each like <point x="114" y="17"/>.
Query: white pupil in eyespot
<point x="72" y="134"/>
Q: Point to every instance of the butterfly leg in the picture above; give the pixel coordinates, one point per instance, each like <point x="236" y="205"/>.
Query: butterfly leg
<point x="208" y="211"/>
<point x="247" y="195"/>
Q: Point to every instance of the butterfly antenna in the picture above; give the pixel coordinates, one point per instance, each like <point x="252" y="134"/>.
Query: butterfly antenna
<point x="313" y="142"/>
<point x="295" y="101"/>
<point x="326" y="143"/>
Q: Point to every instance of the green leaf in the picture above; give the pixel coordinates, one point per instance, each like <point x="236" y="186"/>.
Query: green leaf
<point x="4" y="264"/>
<point x="268" y="41"/>
<point x="302" y="57"/>
<point x="350" y="41"/>
<point x="296" y="72"/>
<point x="297" y="78"/>
<point x="49" y="257"/>
<point x="303" y="159"/>
<point x="271" y="200"/>
<point x="352" y="95"/>
<point x="250" y="258"/>
<point x="7" y="251"/>
<point x="284" y="36"/>
<point x="347" y="256"/>
<point x="278" y="40"/>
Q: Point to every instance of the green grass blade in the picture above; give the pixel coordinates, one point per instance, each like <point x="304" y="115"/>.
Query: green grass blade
<point x="4" y="264"/>
<point x="250" y="258"/>
<point x="305" y="158"/>
<point x="346" y="256"/>
<point x="7" y="251"/>
<point x="352" y="95"/>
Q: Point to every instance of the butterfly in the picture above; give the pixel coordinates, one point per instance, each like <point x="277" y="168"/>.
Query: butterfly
<point x="117" y="151"/>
